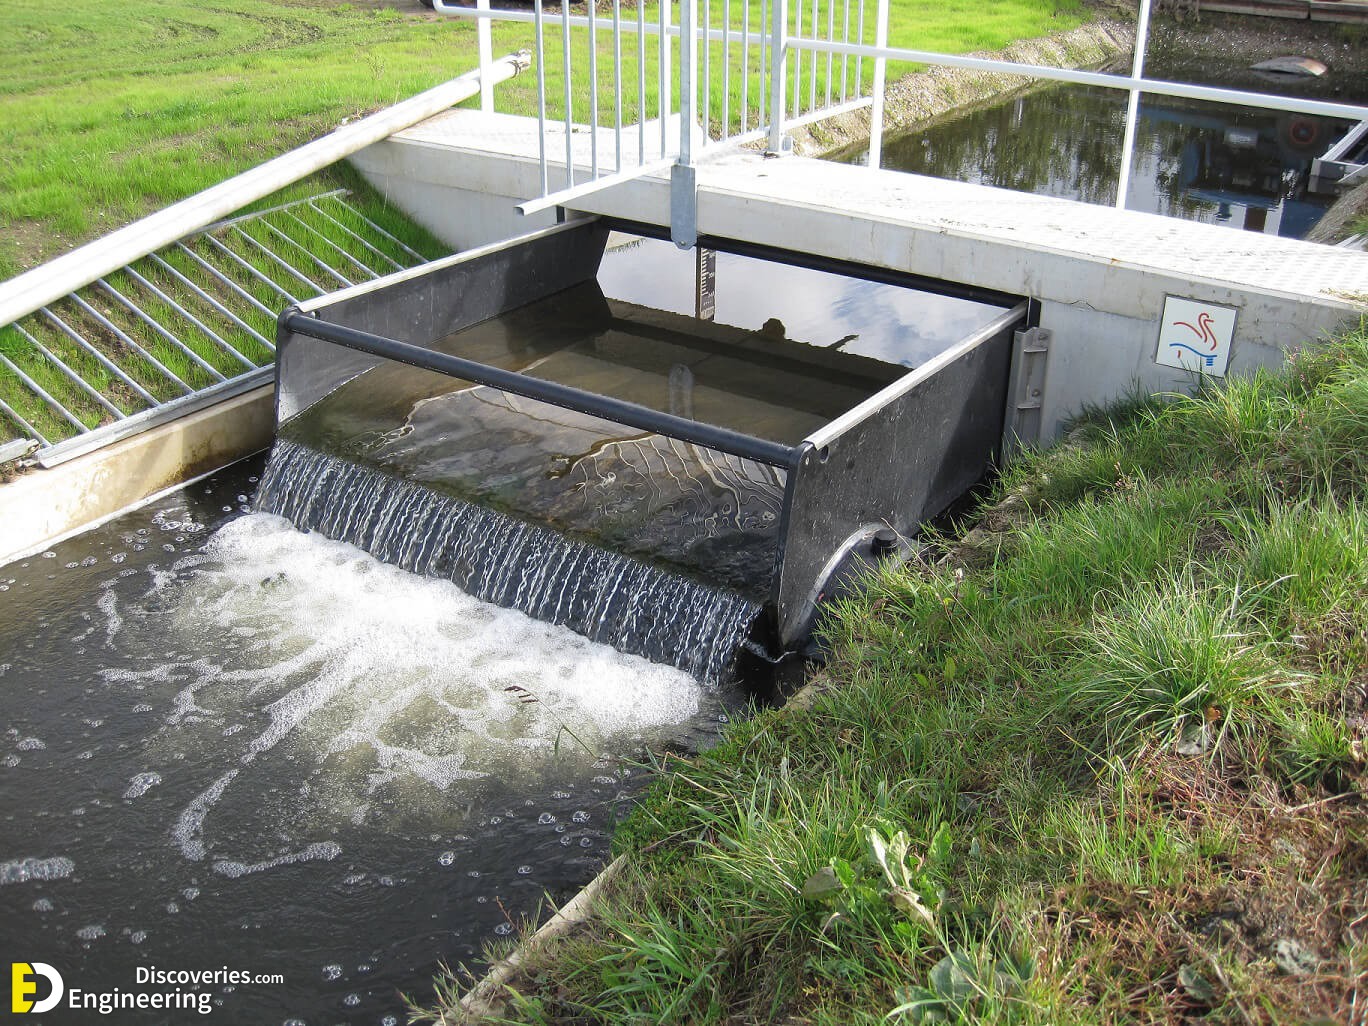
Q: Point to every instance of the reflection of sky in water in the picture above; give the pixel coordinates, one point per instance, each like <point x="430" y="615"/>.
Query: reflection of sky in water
<point x="899" y="325"/>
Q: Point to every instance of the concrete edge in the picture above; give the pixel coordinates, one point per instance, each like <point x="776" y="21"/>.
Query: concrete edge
<point x="486" y="998"/>
<point x="44" y="506"/>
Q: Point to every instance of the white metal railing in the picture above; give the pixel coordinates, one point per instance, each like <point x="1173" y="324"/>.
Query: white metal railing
<point x="763" y="68"/>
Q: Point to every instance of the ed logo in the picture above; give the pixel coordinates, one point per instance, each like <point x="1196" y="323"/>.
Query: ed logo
<point x="24" y="985"/>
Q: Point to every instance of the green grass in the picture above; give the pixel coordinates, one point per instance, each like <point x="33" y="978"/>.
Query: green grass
<point x="1101" y="762"/>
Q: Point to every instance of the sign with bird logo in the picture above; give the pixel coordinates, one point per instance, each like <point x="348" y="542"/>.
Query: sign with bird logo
<point x="1195" y="336"/>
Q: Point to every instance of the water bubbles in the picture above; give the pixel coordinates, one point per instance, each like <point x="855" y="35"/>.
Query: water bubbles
<point x="141" y="783"/>
<point x="586" y="842"/>
<point x="142" y="707"/>
<point x="352" y="1000"/>
<point x="294" y="1022"/>
<point x="172" y="907"/>
<point x="580" y="816"/>
<point x="351" y="879"/>
<point x="560" y="828"/>
<point x="137" y="936"/>
<point x="43" y="905"/>
<point x="49" y="555"/>
<point x="546" y="819"/>
<point x="389" y="1020"/>
<point x="86" y="755"/>
<point x="565" y="841"/>
<point x="70" y="566"/>
<point x="31" y="744"/>
<point x="190" y="893"/>
<point x="446" y="858"/>
<point x="90" y="933"/>
<point x="524" y="870"/>
<point x="495" y="820"/>
<point x="474" y="874"/>
<point x="504" y="929"/>
<point x="89" y="561"/>
<point x="604" y="781"/>
<point x="168" y="547"/>
<point x="561" y="796"/>
<point x="10" y="761"/>
<point x="118" y="557"/>
<point x="332" y="972"/>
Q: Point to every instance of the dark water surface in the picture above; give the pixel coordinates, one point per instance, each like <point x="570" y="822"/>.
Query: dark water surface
<point x="227" y="743"/>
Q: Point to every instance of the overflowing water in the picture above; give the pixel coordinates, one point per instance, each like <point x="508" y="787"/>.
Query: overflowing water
<point x="604" y="595"/>
<point x="227" y="742"/>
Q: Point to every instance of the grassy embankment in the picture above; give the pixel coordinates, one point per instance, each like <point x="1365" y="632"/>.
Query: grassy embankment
<point x="109" y="116"/>
<point x="1100" y="761"/>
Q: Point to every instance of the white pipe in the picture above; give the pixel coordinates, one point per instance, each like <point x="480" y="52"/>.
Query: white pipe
<point x="34" y="289"/>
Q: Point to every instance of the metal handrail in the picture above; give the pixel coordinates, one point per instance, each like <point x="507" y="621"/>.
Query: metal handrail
<point x="786" y="104"/>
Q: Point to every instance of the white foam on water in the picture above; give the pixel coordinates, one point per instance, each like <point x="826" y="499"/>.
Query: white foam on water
<point x="375" y="678"/>
<point x="324" y="851"/>
<point x="386" y="641"/>
<point x="141" y="783"/>
<point x="23" y="870"/>
<point x="189" y="829"/>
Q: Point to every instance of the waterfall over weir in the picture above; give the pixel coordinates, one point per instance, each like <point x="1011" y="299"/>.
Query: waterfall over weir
<point x="606" y="596"/>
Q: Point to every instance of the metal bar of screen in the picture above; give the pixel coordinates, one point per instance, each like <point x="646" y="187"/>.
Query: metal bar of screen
<point x="212" y="302"/>
<point x="70" y="374"/>
<point x="632" y="415"/>
<point x="13" y="414"/>
<point x="42" y="394"/>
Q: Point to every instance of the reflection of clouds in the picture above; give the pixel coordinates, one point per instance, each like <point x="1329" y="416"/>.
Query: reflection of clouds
<point x="900" y="325"/>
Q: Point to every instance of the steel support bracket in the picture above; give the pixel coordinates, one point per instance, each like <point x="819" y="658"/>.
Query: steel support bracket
<point x="684" y="205"/>
<point x="1026" y="390"/>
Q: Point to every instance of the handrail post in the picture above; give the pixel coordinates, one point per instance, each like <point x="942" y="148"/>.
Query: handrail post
<point x="1133" y="105"/>
<point x="683" y="176"/>
<point x="666" y="78"/>
<point x="485" y="48"/>
<point x="778" y="63"/>
<point x="876" y="114"/>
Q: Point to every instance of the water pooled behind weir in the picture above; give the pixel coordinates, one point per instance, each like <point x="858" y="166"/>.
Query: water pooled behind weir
<point x="606" y="596"/>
